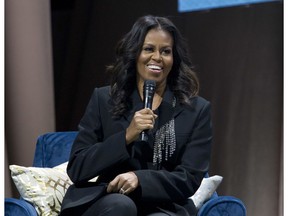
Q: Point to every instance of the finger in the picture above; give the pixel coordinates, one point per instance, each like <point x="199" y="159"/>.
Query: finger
<point x="113" y="185"/>
<point x="122" y="180"/>
<point x="144" y="122"/>
<point x="147" y="117"/>
<point x="150" y="114"/>
<point x="146" y="111"/>
<point x="147" y="121"/>
<point x="127" y="191"/>
<point x="144" y="114"/>
<point x="122" y="191"/>
<point x="132" y="184"/>
<point x="120" y="186"/>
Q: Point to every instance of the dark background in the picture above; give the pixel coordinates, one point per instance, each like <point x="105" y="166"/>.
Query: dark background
<point x="238" y="55"/>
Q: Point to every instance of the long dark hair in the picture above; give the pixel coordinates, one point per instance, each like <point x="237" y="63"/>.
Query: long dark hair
<point x="182" y="80"/>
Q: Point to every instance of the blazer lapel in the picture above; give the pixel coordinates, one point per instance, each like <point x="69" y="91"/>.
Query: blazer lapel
<point x="166" y="110"/>
<point x="137" y="104"/>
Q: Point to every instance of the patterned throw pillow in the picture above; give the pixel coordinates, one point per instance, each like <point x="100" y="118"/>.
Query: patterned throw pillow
<point x="205" y="191"/>
<point x="43" y="187"/>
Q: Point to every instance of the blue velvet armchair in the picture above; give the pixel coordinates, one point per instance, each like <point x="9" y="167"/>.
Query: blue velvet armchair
<point x="53" y="149"/>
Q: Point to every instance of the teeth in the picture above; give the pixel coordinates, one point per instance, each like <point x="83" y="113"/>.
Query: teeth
<point x="154" y="67"/>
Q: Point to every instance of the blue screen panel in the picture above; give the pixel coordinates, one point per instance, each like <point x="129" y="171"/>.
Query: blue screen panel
<point x="196" y="5"/>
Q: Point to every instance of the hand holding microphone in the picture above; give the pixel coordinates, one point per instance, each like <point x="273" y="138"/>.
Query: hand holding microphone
<point x="143" y="119"/>
<point x="148" y="94"/>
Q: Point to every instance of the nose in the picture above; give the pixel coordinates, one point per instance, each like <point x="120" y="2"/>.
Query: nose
<point x="156" y="56"/>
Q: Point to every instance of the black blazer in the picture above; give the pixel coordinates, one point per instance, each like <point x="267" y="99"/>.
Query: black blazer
<point x="100" y="150"/>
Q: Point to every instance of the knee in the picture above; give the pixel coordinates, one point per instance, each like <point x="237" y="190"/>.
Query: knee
<point x="121" y="205"/>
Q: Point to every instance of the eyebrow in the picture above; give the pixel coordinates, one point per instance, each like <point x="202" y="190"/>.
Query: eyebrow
<point x="166" y="46"/>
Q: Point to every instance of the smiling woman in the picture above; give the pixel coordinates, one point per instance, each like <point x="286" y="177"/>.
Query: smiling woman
<point x="155" y="60"/>
<point x="152" y="42"/>
<point x="158" y="175"/>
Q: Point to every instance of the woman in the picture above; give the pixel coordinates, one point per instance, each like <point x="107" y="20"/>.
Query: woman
<point x="142" y="178"/>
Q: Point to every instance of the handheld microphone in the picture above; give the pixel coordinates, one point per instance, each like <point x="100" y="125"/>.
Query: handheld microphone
<point x="148" y="94"/>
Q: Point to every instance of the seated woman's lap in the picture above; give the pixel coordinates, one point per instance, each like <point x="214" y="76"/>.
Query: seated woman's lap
<point x="114" y="204"/>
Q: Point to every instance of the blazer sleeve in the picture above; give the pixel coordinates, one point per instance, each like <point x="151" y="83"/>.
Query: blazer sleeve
<point x="90" y="154"/>
<point x="184" y="180"/>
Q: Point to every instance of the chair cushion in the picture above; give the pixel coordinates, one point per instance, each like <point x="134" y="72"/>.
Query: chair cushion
<point x="223" y="206"/>
<point x="19" y="207"/>
<point x="53" y="148"/>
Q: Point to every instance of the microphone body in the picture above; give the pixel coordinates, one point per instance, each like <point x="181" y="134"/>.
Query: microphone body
<point x="148" y="94"/>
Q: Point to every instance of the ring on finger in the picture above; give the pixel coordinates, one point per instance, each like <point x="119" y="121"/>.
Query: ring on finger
<point x="122" y="191"/>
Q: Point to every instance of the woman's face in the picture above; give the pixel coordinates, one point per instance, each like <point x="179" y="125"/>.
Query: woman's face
<point x="156" y="57"/>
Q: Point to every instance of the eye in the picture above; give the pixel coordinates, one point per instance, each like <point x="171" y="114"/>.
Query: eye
<point x="167" y="51"/>
<point x="148" y="49"/>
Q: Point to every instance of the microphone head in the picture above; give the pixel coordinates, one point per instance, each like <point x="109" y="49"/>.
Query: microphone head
<point x="150" y="84"/>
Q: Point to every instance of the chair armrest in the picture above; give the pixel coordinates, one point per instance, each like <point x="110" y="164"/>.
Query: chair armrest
<point x="223" y="205"/>
<point x="19" y="207"/>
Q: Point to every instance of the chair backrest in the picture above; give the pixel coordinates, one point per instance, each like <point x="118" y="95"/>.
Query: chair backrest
<point x="53" y="148"/>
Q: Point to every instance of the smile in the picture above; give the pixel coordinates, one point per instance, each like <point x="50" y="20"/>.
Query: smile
<point x="154" y="68"/>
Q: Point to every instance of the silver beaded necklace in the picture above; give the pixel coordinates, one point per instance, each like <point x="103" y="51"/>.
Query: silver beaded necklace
<point x="165" y="141"/>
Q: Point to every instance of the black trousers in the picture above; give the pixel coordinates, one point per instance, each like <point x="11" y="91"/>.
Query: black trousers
<point x="113" y="204"/>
